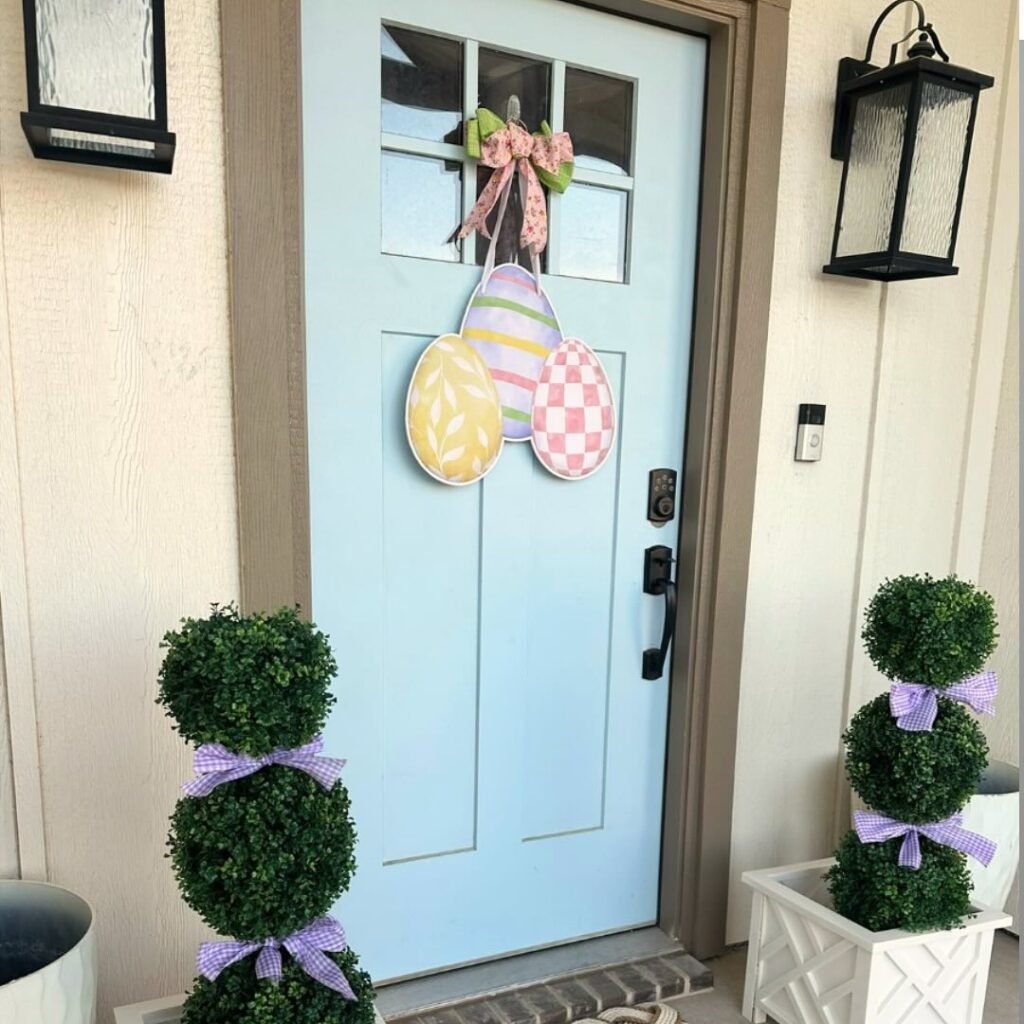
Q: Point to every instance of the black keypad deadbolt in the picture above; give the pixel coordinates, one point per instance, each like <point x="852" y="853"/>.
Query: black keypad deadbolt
<point x="661" y="496"/>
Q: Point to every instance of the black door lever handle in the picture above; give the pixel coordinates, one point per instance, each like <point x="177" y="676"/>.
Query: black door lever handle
<point x="658" y="580"/>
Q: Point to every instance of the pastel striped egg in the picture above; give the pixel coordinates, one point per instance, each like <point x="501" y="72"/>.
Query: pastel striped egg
<point x="573" y="416"/>
<point x="513" y="326"/>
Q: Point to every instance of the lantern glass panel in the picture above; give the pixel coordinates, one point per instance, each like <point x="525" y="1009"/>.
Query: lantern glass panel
<point x="876" y="147"/>
<point x="939" y="152"/>
<point x="97" y="55"/>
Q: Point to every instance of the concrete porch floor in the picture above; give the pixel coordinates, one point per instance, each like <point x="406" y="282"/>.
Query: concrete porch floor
<point x="721" y="1005"/>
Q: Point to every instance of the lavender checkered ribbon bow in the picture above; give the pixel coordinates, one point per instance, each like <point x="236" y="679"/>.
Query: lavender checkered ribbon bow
<point x="915" y="705"/>
<point x="872" y="827"/>
<point x="215" y="764"/>
<point x="307" y="947"/>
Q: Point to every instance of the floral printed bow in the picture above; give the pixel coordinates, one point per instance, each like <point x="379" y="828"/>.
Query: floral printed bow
<point x="545" y="157"/>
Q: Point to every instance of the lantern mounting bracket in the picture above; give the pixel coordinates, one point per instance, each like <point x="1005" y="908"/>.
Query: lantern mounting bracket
<point x="927" y="45"/>
<point x="924" y="26"/>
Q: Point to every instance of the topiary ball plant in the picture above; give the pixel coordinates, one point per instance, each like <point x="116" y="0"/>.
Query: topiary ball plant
<point x="239" y="997"/>
<point x="870" y="887"/>
<point x="914" y="776"/>
<point x="904" y="865"/>
<point x="925" y="630"/>
<point x="263" y="846"/>
<point x="261" y="856"/>
<point x="250" y="682"/>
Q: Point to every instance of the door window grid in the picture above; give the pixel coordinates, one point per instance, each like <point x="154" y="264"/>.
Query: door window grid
<point x="455" y="154"/>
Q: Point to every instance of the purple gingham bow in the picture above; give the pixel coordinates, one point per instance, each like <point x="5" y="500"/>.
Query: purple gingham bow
<point x="215" y="764"/>
<point x="915" y="705"/>
<point x="307" y="947"/>
<point x="872" y="827"/>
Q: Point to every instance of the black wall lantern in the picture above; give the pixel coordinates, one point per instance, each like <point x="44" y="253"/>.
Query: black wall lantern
<point x="904" y="135"/>
<point x="97" y="83"/>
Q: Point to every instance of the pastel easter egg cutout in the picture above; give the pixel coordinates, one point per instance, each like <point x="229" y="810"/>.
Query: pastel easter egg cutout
<point x="452" y="413"/>
<point x="513" y="326"/>
<point x="573" y="415"/>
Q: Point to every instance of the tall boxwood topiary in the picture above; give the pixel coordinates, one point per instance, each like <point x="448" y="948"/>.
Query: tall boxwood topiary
<point x="263" y="855"/>
<point x="935" y="632"/>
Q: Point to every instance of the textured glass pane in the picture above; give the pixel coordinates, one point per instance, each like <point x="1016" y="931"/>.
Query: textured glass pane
<point x="599" y="117"/>
<point x="102" y="143"/>
<point x="97" y="55"/>
<point x="420" y="85"/>
<point x="505" y="74"/>
<point x="935" y="170"/>
<point x="874" y="166"/>
<point x="507" y="250"/>
<point x="420" y="203"/>
<point x="592" y="232"/>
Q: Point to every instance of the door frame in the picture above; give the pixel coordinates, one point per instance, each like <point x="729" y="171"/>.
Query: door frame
<point x="745" y="92"/>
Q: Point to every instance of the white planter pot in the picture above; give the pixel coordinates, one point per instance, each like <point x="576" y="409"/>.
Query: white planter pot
<point x="47" y="955"/>
<point x="166" y="1011"/>
<point x="995" y="813"/>
<point x="807" y="964"/>
<point x="156" y="1011"/>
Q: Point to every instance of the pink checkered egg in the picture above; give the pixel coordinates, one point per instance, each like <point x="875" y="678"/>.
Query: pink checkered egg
<point x="573" y="415"/>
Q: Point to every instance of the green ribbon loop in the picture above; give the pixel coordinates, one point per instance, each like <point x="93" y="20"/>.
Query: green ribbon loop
<point x="486" y="123"/>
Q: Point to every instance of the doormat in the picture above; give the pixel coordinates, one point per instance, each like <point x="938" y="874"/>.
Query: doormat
<point x="648" y="1013"/>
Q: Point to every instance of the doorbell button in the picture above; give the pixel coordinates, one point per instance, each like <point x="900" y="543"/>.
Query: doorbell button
<point x="810" y="433"/>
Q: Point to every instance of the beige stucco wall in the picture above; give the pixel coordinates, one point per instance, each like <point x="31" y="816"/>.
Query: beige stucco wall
<point x="117" y="494"/>
<point x="911" y="375"/>
<point x="117" y="503"/>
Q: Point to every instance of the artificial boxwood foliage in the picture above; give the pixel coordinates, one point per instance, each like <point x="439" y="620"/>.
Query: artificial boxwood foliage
<point x="915" y="777"/>
<point x="934" y="632"/>
<point x="871" y="889"/>
<point x="250" y="682"/>
<point x="264" y="855"/>
<point x="924" y="630"/>
<point x="239" y="997"/>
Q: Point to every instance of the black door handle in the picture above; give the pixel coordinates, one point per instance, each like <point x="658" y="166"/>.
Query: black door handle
<point x="658" y="580"/>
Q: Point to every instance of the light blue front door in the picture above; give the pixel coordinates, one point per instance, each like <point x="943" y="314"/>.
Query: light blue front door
<point x="505" y="755"/>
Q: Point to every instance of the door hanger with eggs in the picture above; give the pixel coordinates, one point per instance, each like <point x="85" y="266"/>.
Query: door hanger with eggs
<point x="509" y="375"/>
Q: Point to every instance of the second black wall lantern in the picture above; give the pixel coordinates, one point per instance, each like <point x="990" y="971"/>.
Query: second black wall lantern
<point x="97" y="83"/>
<point x="903" y="132"/>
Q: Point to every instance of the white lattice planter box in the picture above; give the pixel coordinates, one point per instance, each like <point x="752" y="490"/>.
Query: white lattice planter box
<point x="807" y="965"/>
<point x="156" y="1011"/>
<point x="165" y="1011"/>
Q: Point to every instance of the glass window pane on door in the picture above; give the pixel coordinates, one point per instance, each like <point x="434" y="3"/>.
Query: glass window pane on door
<point x="593" y="225"/>
<point x="421" y="201"/>
<point x="420" y="85"/>
<point x="599" y="117"/>
<point x="506" y="74"/>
